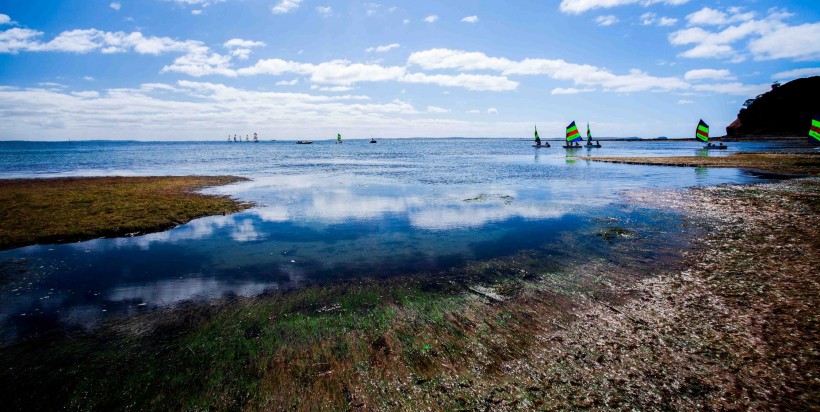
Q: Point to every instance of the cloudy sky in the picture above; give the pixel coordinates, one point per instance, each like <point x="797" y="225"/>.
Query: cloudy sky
<point x="291" y="69"/>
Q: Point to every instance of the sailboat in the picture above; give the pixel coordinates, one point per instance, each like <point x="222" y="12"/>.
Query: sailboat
<point x="573" y="136"/>
<point x="229" y="137"/>
<point x="702" y="133"/>
<point x="255" y="138"/>
<point x="373" y="140"/>
<point x="814" y="131"/>
<point x="338" y="138"/>
<point x="538" y="144"/>
<point x="589" y="139"/>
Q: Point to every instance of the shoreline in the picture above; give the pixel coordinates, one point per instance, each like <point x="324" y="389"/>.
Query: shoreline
<point x="711" y="324"/>
<point x="72" y="209"/>
<point x="782" y="164"/>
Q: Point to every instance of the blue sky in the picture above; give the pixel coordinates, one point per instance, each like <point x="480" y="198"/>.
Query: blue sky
<point x="293" y="69"/>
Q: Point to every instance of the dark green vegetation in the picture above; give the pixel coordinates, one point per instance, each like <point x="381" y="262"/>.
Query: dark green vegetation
<point x="786" y="110"/>
<point x="73" y="209"/>
<point x="783" y="163"/>
<point x="648" y="322"/>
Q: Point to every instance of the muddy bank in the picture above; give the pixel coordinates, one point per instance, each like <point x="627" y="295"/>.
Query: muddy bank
<point x="718" y="312"/>
<point x="80" y="208"/>
<point x="807" y="164"/>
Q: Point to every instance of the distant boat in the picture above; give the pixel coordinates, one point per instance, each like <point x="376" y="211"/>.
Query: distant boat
<point x="304" y="142"/>
<point x="338" y="138"/>
<point x="229" y="137"/>
<point x="573" y="136"/>
<point x="255" y="138"/>
<point x="702" y="133"/>
<point x="538" y="144"/>
<point x="373" y="140"/>
<point x="589" y="139"/>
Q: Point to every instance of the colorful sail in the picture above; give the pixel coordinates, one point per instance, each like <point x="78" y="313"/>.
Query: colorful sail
<point x="815" y="127"/>
<point x="537" y="139"/>
<point x="702" y="132"/>
<point x="339" y="137"/>
<point x="589" y="134"/>
<point x="572" y="133"/>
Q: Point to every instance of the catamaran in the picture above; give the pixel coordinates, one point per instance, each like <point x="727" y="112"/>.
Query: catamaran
<point x="589" y="139"/>
<point x="702" y="133"/>
<point x="573" y="136"/>
<point x="538" y="144"/>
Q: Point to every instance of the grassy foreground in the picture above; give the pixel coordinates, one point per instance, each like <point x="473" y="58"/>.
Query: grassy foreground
<point x="785" y="163"/>
<point x="728" y="322"/>
<point x="74" y="209"/>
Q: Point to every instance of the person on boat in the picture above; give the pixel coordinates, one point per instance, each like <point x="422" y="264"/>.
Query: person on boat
<point x="721" y="144"/>
<point x="597" y="143"/>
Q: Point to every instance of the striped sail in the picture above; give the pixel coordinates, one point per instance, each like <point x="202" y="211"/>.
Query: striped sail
<point x="589" y="134"/>
<point x="338" y="137"/>
<point x="537" y="139"/>
<point x="814" y="131"/>
<point x="572" y="133"/>
<point x="702" y="132"/>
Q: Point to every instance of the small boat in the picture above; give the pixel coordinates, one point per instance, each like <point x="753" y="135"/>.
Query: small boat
<point x="589" y="144"/>
<point x="338" y="138"/>
<point x="702" y="134"/>
<point x="255" y="138"/>
<point x="538" y="144"/>
<point x="373" y="140"/>
<point x="304" y="142"/>
<point x="572" y="136"/>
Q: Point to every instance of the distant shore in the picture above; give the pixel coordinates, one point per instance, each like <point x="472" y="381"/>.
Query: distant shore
<point x="61" y="210"/>
<point x="807" y="164"/>
<point x="718" y="314"/>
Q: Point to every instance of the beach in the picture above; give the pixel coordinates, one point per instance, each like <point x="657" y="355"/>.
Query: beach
<point x="693" y="306"/>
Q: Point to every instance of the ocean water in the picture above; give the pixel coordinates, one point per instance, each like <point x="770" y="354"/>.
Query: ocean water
<point x="325" y="212"/>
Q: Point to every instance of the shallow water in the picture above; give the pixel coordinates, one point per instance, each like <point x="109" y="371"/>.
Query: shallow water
<point x="324" y="212"/>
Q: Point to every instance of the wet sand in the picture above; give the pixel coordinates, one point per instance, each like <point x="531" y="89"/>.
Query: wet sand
<point x="779" y="163"/>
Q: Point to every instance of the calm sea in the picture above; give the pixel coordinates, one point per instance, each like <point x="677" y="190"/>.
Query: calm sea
<point x="324" y="212"/>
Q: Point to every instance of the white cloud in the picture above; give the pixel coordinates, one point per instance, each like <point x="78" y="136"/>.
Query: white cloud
<point x="406" y="21"/>
<point x="325" y="11"/>
<point x="475" y="82"/>
<point x="87" y="94"/>
<point x="245" y="44"/>
<point x="569" y="90"/>
<point x="800" y="43"/>
<point x="606" y="20"/>
<point x="382" y="49"/>
<point x="196" y="12"/>
<point x="431" y="19"/>
<point x="470" y="19"/>
<point x="684" y="101"/>
<point x="115" y="5"/>
<point x="88" y="78"/>
<point x="734" y="88"/>
<point x="492" y="110"/>
<point x="436" y="109"/>
<point x="331" y="88"/>
<point x="708" y="74"/>
<point x="769" y="38"/>
<point x="474" y="111"/>
<point x="4" y="19"/>
<point x="580" y="6"/>
<point x="797" y="73"/>
<point x="285" y="6"/>
<point x="287" y="82"/>
<point x="712" y="17"/>
<point x="582" y="75"/>
<point x="650" y="18"/>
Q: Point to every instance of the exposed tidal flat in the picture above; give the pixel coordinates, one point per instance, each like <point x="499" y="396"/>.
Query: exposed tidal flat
<point x="519" y="294"/>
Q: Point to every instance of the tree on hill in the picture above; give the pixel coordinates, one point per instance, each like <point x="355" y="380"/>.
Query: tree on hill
<point x="786" y="110"/>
